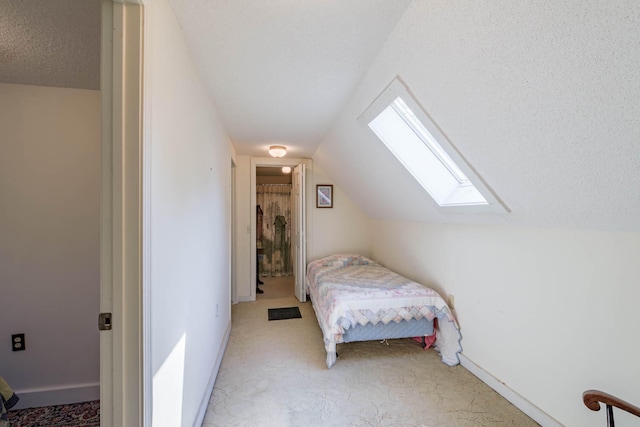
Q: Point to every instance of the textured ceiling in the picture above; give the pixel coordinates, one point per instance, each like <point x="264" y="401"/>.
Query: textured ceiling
<point x="282" y="70"/>
<point x="542" y="98"/>
<point x="50" y="43"/>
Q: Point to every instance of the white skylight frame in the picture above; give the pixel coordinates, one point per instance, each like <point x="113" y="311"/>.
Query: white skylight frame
<point x="427" y="153"/>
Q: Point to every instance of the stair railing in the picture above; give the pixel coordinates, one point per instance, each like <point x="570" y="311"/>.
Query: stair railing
<point x="592" y="399"/>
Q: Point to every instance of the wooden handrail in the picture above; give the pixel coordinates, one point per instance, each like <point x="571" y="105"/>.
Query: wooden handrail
<point x="592" y="399"/>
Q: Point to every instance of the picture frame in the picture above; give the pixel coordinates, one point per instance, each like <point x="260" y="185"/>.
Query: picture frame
<point x="324" y="196"/>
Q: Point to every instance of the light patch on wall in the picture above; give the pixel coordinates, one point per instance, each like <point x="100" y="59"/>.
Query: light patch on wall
<point x="168" y="385"/>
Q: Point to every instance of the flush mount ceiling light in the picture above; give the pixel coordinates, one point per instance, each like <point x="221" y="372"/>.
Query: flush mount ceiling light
<point x="277" y="150"/>
<point x="286" y="169"/>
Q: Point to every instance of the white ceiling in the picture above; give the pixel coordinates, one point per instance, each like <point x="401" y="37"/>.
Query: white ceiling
<point x="50" y="43"/>
<point x="281" y="70"/>
<point x="541" y="98"/>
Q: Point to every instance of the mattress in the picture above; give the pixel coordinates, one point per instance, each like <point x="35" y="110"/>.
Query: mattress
<point x="350" y="291"/>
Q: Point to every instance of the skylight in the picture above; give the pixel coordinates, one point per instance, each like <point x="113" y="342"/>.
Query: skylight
<point x="418" y="144"/>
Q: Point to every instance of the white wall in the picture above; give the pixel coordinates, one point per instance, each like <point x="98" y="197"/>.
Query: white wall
<point x="49" y="244"/>
<point x="341" y="229"/>
<point x="190" y="224"/>
<point x="549" y="312"/>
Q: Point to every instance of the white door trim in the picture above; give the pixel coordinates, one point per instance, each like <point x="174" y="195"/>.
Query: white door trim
<point x="299" y="223"/>
<point x="106" y="302"/>
<point x="270" y="161"/>
<point x="232" y="232"/>
<point x="121" y="349"/>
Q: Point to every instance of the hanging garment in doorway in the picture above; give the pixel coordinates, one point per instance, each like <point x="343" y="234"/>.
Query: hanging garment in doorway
<point x="275" y="201"/>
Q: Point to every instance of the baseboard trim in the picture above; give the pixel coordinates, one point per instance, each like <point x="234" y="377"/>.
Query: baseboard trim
<point x="204" y="404"/>
<point x="72" y="393"/>
<point x="503" y="390"/>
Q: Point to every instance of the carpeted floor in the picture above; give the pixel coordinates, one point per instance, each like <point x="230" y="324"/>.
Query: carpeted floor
<point x="274" y="374"/>
<point x="85" y="414"/>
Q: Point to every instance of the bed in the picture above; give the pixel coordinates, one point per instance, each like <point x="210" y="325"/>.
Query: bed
<point x="357" y="299"/>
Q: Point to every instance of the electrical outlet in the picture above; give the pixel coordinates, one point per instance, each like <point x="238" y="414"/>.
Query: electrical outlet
<point x="17" y="342"/>
<point x="217" y="311"/>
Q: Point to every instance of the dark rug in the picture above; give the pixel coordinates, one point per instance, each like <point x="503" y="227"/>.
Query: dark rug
<point x="284" y="313"/>
<point x="85" y="414"/>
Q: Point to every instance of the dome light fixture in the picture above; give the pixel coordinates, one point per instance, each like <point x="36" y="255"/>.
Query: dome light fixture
<point x="277" y="150"/>
<point x="286" y="169"/>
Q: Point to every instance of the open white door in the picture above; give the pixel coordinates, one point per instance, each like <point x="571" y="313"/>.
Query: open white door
<point x="300" y="239"/>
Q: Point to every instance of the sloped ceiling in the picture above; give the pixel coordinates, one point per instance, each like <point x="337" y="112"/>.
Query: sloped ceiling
<point x="50" y="43"/>
<point x="541" y="98"/>
<point x="281" y="70"/>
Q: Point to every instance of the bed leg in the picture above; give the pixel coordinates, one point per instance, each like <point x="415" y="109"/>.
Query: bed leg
<point x="424" y="343"/>
<point x="331" y="359"/>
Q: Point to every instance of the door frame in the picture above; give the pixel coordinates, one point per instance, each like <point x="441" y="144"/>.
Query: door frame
<point x="233" y="234"/>
<point x="299" y="196"/>
<point x="274" y="162"/>
<point x="124" y="398"/>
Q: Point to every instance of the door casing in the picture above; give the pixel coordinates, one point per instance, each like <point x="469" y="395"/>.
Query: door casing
<point x="123" y="398"/>
<point x="270" y="161"/>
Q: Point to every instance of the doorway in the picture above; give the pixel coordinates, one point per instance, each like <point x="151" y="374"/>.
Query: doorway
<point x="297" y="225"/>
<point x="274" y="209"/>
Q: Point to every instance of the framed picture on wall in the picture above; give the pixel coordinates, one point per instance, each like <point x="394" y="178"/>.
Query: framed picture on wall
<point x="324" y="196"/>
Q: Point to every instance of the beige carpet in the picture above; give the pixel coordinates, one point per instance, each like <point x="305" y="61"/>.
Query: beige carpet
<point x="274" y="374"/>
<point x="276" y="287"/>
